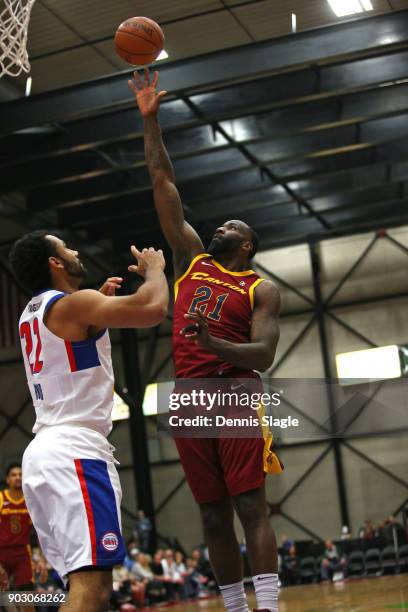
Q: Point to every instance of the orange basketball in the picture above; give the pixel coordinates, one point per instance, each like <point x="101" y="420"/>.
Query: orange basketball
<point x="139" y="40"/>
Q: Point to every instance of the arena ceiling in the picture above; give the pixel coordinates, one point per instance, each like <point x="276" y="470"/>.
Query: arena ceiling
<point x="303" y="136"/>
<point x="72" y="41"/>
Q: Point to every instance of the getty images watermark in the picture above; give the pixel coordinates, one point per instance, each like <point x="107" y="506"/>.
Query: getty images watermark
<point x="227" y="407"/>
<point x="237" y="399"/>
<point x="297" y="409"/>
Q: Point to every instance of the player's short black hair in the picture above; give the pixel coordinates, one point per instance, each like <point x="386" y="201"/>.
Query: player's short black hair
<point x="29" y="260"/>
<point x="255" y="242"/>
<point x="11" y="466"/>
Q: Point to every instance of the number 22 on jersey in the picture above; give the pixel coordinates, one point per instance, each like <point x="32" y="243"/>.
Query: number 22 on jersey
<point x="27" y="333"/>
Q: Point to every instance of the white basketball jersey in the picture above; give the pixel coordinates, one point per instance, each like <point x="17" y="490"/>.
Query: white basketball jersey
<point x="70" y="382"/>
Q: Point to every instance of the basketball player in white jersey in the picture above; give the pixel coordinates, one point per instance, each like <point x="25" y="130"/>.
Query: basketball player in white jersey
<point x="70" y="481"/>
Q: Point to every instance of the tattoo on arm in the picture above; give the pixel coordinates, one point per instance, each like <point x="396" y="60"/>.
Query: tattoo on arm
<point x="157" y="158"/>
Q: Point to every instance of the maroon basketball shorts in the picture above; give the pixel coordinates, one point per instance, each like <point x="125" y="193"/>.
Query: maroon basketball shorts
<point x="17" y="563"/>
<point x="216" y="468"/>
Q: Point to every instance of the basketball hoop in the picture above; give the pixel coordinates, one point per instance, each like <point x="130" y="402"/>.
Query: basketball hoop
<point x="14" y="20"/>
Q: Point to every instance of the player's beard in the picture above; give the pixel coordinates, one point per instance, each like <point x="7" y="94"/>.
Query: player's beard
<point x="223" y="244"/>
<point x="75" y="269"/>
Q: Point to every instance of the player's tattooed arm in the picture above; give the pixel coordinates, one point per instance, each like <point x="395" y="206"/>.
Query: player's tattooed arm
<point x="255" y="355"/>
<point x="179" y="234"/>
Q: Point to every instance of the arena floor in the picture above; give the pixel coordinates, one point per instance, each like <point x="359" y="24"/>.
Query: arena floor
<point x="385" y="593"/>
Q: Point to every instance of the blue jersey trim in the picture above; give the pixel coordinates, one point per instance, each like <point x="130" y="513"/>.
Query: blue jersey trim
<point x="52" y="300"/>
<point x="105" y="514"/>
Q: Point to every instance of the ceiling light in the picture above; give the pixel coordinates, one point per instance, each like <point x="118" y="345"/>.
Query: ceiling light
<point x="371" y="364"/>
<point x="342" y="8"/>
<point x="163" y="55"/>
<point x="29" y="82"/>
<point x="294" y="23"/>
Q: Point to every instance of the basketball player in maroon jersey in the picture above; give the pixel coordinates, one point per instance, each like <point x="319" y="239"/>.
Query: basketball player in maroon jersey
<point x="225" y="325"/>
<point x="15" y="531"/>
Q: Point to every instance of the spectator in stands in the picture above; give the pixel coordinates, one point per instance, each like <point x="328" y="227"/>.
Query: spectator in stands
<point x="391" y="527"/>
<point x="286" y="543"/>
<point x="182" y="571"/>
<point x="132" y="551"/>
<point x="179" y="562"/>
<point x="203" y="565"/>
<point x="121" y="589"/>
<point x="155" y="590"/>
<point x="290" y="573"/>
<point x="141" y="567"/>
<point x="196" y="582"/>
<point x="333" y="561"/>
<point x="172" y="576"/>
<point x="143" y="529"/>
<point x="156" y="565"/>
<point x="367" y="532"/>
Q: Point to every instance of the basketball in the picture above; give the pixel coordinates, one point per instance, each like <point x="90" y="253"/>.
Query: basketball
<point x="139" y="41"/>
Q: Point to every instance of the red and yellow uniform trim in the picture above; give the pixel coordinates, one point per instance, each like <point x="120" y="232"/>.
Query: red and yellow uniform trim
<point x="187" y="272"/>
<point x="220" y="267"/>
<point x="16" y="502"/>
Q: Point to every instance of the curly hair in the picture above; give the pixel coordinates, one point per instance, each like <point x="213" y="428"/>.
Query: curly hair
<point x="29" y="260"/>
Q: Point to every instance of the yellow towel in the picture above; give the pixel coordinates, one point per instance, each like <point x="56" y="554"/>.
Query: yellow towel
<point x="272" y="463"/>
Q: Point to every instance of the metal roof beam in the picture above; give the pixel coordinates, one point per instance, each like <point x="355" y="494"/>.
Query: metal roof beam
<point x="263" y="216"/>
<point x="285" y="97"/>
<point x="103" y="184"/>
<point x="368" y="36"/>
<point x="198" y="140"/>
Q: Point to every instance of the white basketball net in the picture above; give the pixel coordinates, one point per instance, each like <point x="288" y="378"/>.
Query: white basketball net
<point x="14" y="20"/>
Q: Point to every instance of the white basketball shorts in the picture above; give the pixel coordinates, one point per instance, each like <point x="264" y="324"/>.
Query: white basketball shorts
<point x="73" y="495"/>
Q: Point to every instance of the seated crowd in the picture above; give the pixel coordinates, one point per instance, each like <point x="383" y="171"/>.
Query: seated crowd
<point x="331" y="559"/>
<point x="165" y="577"/>
<point x="145" y="580"/>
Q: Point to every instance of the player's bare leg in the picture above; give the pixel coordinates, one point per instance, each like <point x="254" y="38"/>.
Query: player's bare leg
<point x="260" y="540"/>
<point x="224" y="552"/>
<point x="89" y="591"/>
<point x="259" y="536"/>
<point x="223" y="547"/>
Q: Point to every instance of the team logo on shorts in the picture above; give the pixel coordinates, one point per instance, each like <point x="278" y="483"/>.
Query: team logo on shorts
<point x="110" y="541"/>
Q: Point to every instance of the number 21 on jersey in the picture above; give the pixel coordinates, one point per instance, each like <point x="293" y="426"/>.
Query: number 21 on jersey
<point x="27" y="333"/>
<point x="201" y="300"/>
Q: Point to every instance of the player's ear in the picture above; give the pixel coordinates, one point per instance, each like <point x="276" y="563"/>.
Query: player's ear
<point x="247" y="246"/>
<point x="55" y="263"/>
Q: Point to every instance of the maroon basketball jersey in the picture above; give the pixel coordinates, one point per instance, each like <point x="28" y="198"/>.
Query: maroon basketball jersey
<point x="226" y="299"/>
<point x="15" y="522"/>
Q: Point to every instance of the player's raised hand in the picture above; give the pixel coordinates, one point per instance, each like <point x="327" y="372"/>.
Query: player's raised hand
<point x="148" y="259"/>
<point x="147" y="96"/>
<point x="110" y="286"/>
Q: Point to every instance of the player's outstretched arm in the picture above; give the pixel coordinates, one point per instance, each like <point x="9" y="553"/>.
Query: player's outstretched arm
<point x="181" y="237"/>
<point x="146" y="307"/>
<point x="260" y="352"/>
